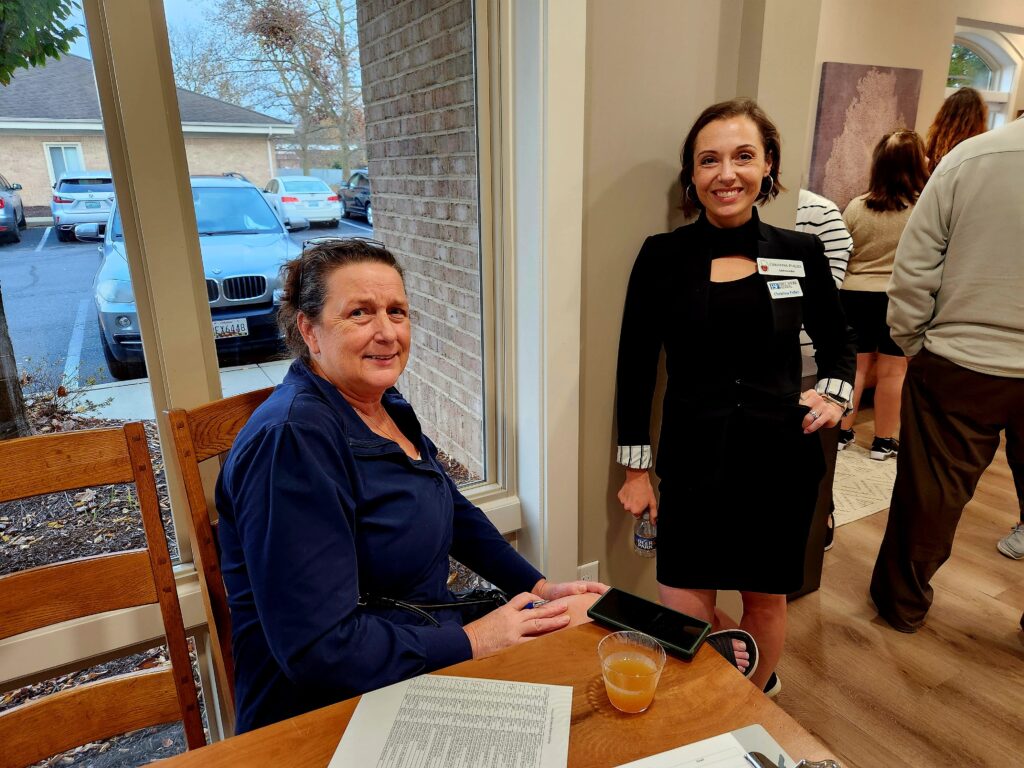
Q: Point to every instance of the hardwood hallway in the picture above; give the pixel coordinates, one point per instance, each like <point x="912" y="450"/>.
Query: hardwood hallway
<point x="951" y="694"/>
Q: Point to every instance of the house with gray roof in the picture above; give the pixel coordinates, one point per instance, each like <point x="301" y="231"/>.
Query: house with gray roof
<point x="50" y="122"/>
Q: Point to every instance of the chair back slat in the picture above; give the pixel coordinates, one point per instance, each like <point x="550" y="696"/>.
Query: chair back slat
<point x="51" y="594"/>
<point x="32" y="466"/>
<point x="135" y="700"/>
<point x="200" y="434"/>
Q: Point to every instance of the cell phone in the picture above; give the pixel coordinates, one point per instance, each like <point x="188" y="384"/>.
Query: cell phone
<point x="680" y="634"/>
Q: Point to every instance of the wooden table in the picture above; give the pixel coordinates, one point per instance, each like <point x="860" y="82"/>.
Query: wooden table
<point x="695" y="700"/>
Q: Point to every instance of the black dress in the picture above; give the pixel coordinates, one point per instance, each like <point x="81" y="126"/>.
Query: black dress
<point x="739" y="479"/>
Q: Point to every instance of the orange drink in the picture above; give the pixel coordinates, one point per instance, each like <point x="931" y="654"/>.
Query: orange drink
<point x="631" y="663"/>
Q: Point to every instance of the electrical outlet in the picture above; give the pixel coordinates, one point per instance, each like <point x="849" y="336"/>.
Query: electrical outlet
<point x="588" y="572"/>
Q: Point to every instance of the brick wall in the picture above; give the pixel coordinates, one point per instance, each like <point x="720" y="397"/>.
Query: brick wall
<point x="419" y="96"/>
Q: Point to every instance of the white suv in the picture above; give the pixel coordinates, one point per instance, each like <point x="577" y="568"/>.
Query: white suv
<point x="81" y="197"/>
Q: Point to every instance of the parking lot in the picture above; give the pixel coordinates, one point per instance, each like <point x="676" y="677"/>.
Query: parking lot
<point x="48" y="301"/>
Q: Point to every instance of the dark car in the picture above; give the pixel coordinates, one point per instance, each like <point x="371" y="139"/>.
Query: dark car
<point x="12" y="212"/>
<point x="355" y="196"/>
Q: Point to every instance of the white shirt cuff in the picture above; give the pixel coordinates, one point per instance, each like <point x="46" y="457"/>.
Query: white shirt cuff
<point x="635" y="456"/>
<point x="835" y="387"/>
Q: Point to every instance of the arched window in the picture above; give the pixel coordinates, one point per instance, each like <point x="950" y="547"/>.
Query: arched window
<point x="989" y="60"/>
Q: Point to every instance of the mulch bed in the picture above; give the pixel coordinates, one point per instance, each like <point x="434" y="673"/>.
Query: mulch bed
<point x="62" y="526"/>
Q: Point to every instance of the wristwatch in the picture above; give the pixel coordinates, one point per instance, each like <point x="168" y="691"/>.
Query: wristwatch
<point x="846" y="405"/>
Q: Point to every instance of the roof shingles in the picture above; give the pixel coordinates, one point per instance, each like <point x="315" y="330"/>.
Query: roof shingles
<point x="65" y="89"/>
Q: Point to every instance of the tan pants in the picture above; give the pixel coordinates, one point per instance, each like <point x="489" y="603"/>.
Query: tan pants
<point x="951" y="420"/>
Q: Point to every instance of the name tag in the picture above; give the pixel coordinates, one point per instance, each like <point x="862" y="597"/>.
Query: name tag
<point x="784" y="267"/>
<point x="784" y="289"/>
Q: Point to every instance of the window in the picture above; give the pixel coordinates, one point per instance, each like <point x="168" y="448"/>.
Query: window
<point x="987" y="58"/>
<point x="61" y="158"/>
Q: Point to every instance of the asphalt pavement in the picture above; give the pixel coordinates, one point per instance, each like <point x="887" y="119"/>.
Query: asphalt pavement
<point x="48" y="300"/>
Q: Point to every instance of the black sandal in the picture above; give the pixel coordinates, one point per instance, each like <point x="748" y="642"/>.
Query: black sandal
<point x="722" y="641"/>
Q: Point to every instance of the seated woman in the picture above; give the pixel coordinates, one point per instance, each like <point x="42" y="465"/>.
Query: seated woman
<point x="333" y="504"/>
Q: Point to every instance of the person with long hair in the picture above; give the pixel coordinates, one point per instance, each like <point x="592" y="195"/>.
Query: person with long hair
<point x="876" y="220"/>
<point x="725" y="297"/>
<point x="963" y="114"/>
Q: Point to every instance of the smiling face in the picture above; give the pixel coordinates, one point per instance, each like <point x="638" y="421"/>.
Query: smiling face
<point x="360" y="343"/>
<point x="729" y="164"/>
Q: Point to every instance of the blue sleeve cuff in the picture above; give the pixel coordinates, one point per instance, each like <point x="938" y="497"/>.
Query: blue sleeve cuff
<point x="446" y="645"/>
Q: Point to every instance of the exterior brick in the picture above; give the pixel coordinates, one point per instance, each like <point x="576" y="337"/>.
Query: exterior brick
<point x="419" y="92"/>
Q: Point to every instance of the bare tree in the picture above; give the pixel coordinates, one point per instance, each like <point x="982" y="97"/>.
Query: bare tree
<point x="202" y="64"/>
<point x="305" y="56"/>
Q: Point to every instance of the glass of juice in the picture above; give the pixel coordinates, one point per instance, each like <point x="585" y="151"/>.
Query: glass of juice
<point x="631" y="663"/>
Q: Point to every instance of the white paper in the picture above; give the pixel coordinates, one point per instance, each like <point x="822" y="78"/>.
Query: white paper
<point x="723" y="751"/>
<point x="436" y="721"/>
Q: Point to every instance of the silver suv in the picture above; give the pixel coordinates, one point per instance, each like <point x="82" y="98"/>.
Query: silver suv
<point x="81" y="197"/>
<point x="243" y="245"/>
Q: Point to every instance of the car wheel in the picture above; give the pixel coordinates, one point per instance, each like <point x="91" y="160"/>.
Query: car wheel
<point x="333" y="223"/>
<point x="369" y="214"/>
<point x="63" y="236"/>
<point x="344" y="211"/>
<point x="22" y="224"/>
<point x="121" y="371"/>
<point x="15" y="235"/>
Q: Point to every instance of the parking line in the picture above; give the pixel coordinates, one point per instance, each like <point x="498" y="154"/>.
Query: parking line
<point x="42" y="240"/>
<point x="74" y="358"/>
<point x="359" y="226"/>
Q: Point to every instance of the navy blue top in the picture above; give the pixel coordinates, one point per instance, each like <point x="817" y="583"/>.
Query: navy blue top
<point x="315" y="509"/>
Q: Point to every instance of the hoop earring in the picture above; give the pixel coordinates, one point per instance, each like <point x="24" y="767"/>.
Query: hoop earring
<point x="771" y="186"/>
<point x="687" y="195"/>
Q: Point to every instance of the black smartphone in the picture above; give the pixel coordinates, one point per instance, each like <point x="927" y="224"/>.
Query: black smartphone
<point x="680" y="634"/>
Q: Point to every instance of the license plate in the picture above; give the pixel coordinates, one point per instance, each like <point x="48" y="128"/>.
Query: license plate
<point x="313" y="205"/>
<point x="92" y="205"/>
<point x="230" y="329"/>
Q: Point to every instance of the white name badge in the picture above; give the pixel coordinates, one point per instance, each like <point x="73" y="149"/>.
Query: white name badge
<point x="784" y="289"/>
<point x="784" y="267"/>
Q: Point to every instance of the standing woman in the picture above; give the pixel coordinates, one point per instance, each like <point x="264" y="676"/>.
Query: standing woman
<point x="963" y="114"/>
<point x="876" y="221"/>
<point x="739" y="460"/>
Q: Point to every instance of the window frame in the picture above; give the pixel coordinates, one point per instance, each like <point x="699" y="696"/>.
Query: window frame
<point x="48" y="145"/>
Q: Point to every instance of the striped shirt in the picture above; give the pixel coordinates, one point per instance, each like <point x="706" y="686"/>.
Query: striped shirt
<point x="820" y="216"/>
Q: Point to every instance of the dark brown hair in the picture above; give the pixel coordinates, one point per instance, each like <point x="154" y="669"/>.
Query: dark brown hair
<point x="898" y="172"/>
<point x="963" y="114"/>
<point x="722" y="111"/>
<point x="305" y="281"/>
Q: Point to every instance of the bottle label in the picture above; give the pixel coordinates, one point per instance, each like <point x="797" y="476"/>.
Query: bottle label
<point x="645" y="543"/>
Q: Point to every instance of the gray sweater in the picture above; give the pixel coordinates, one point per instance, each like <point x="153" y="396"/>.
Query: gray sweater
<point x="957" y="286"/>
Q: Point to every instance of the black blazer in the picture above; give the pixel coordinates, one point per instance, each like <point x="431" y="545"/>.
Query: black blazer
<point x="667" y="307"/>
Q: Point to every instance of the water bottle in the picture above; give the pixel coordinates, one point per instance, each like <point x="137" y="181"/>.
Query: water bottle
<point x="645" y="536"/>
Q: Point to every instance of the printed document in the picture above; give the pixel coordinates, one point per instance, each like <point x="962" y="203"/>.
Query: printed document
<point x="436" y="721"/>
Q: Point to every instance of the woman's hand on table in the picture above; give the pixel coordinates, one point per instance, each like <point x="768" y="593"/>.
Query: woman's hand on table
<point x="822" y="413"/>
<point x="637" y="494"/>
<point x="514" y="623"/>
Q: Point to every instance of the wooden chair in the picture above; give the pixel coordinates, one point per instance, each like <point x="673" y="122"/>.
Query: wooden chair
<point x="200" y="434"/>
<point x="49" y="594"/>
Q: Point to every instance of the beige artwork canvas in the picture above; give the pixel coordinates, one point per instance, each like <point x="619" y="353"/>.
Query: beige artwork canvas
<point x="857" y="105"/>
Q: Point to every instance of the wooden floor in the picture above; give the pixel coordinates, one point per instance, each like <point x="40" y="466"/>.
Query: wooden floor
<point x="951" y="694"/>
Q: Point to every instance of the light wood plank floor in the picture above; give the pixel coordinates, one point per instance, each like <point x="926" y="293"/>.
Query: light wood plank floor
<point x="951" y="694"/>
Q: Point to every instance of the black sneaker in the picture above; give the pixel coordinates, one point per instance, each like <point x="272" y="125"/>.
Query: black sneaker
<point x="830" y="531"/>
<point x="884" y="447"/>
<point x="845" y="438"/>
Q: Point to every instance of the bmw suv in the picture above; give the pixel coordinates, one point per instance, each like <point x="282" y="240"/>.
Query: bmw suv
<point x="243" y="245"/>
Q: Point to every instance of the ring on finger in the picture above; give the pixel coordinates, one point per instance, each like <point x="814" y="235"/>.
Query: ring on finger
<point x="814" y="415"/>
